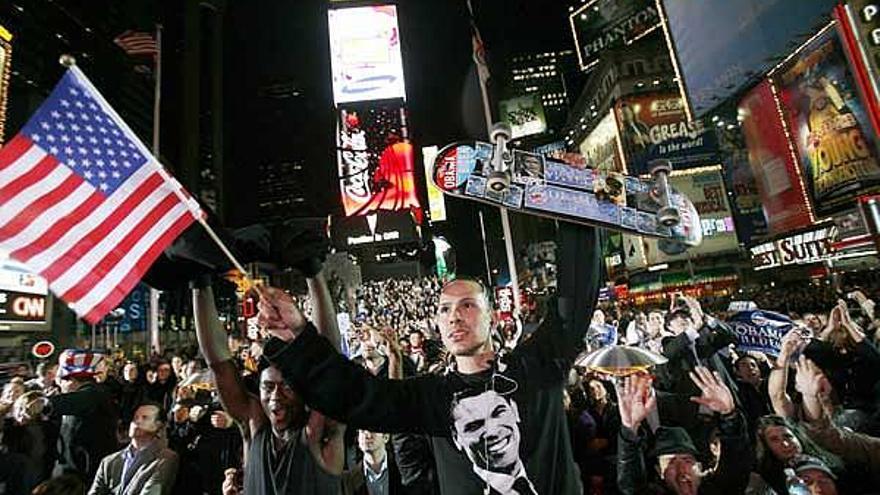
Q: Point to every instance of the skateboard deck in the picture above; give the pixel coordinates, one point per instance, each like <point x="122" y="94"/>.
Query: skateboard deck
<point x="557" y="190"/>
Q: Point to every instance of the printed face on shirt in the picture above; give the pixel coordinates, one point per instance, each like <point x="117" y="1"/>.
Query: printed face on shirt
<point x="486" y="429"/>
<point x="782" y="442"/>
<point x="464" y="318"/>
<point x="282" y="405"/>
<point x="681" y="473"/>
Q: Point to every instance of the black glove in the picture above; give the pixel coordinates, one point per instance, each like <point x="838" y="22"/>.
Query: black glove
<point x="302" y="245"/>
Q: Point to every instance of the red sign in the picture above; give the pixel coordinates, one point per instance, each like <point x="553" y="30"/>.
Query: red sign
<point x="776" y="173"/>
<point x="43" y="349"/>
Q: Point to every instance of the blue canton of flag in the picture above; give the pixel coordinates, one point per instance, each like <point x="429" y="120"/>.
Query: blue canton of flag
<point x="83" y="203"/>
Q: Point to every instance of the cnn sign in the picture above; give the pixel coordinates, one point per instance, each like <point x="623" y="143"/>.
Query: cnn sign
<point x="22" y="307"/>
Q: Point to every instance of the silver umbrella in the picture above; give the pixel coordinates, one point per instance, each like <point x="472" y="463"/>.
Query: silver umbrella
<point x="619" y="360"/>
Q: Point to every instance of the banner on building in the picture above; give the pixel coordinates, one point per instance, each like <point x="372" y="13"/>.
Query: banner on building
<point x="760" y="331"/>
<point x="804" y="248"/>
<point x="655" y="126"/>
<point x="376" y="164"/>
<point x="832" y="132"/>
<point x="705" y="188"/>
<point x="601" y="148"/>
<point x="779" y="184"/>
<point x="748" y="211"/>
<point x="436" y="201"/>
<point x="524" y="114"/>
<point x="598" y="25"/>
<point x="365" y="54"/>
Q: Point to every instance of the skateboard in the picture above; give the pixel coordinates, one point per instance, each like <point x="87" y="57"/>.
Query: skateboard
<point x="531" y="183"/>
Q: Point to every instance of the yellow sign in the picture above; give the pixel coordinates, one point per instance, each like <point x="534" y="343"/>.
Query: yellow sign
<point x="5" y="35"/>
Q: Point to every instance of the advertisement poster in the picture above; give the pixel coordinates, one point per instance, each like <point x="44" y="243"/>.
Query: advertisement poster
<point x="376" y="166"/>
<point x="376" y="229"/>
<point x="705" y="188"/>
<point x="760" y="331"/>
<point x="634" y="252"/>
<point x="598" y="25"/>
<point x="601" y="148"/>
<point x="365" y="54"/>
<point x="781" y="190"/>
<point x="436" y="201"/>
<point x="748" y="211"/>
<point x="524" y="114"/>
<point x="656" y="127"/>
<point x="723" y="46"/>
<point x="834" y="139"/>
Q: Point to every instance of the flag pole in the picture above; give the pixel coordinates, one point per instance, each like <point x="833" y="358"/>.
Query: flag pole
<point x="483" y="76"/>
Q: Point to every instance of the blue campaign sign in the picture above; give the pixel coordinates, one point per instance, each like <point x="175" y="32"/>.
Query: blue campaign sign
<point x="760" y="330"/>
<point x="135" y="306"/>
<point x="602" y="335"/>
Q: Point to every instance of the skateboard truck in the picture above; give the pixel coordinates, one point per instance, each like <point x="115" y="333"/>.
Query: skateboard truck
<point x="668" y="214"/>
<point x="499" y="177"/>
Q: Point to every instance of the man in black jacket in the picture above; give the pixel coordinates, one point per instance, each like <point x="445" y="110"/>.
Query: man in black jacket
<point x="515" y="407"/>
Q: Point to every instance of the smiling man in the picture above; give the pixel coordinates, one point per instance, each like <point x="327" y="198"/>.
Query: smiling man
<point x="496" y="422"/>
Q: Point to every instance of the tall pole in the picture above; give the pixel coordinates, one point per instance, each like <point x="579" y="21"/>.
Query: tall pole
<point x="485" y="250"/>
<point x="153" y="334"/>
<point x="483" y="74"/>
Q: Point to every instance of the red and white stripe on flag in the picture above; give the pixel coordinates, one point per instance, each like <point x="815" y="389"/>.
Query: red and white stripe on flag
<point x="137" y="43"/>
<point x="83" y="203"/>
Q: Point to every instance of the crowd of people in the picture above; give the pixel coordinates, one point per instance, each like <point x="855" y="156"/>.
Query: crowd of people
<point x="420" y="389"/>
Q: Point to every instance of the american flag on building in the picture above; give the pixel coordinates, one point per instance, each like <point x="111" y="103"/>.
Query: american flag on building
<point x="137" y="43"/>
<point x="83" y="202"/>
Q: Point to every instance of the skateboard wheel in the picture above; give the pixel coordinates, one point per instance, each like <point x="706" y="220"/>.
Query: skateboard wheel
<point x="660" y="166"/>
<point x="668" y="216"/>
<point x="500" y="130"/>
<point x="498" y="181"/>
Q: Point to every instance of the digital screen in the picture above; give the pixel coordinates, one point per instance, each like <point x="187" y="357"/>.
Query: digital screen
<point x="376" y="164"/>
<point x="24" y="296"/>
<point x="365" y="54"/>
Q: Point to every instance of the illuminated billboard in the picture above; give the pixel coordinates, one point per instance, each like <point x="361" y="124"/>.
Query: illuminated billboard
<point x="436" y="201"/>
<point x="24" y="297"/>
<point x="365" y="54"/>
<point x="376" y="164"/>
<point x="705" y="188"/>
<point x="601" y="148"/>
<point x="833" y="136"/>
<point x="598" y="25"/>
<point x="383" y="228"/>
<point x="524" y="114"/>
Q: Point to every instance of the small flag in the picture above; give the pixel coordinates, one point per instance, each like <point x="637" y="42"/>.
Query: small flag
<point x="83" y="202"/>
<point x="136" y="43"/>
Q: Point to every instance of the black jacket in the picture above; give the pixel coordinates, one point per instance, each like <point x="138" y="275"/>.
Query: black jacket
<point x="88" y="428"/>
<point x="732" y="475"/>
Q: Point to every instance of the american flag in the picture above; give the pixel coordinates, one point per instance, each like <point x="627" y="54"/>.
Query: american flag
<point x="137" y="43"/>
<point x="83" y="202"/>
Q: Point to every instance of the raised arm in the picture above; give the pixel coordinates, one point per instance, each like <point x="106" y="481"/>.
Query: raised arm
<point x="324" y="310"/>
<point x="777" y="382"/>
<point x="235" y="398"/>
<point x="341" y="389"/>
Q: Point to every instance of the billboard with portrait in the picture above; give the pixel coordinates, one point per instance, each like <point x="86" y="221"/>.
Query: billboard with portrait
<point x="376" y="164"/>
<point x="831" y="130"/>
<point x="598" y="25"/>
<point x="365" y="54"/>
<point x="723" y="46"/>
<point x="705" y="188"/>
<point x="601" y="148"/>
<point x="655" y="126"/>
<point x="778" y="181"/>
